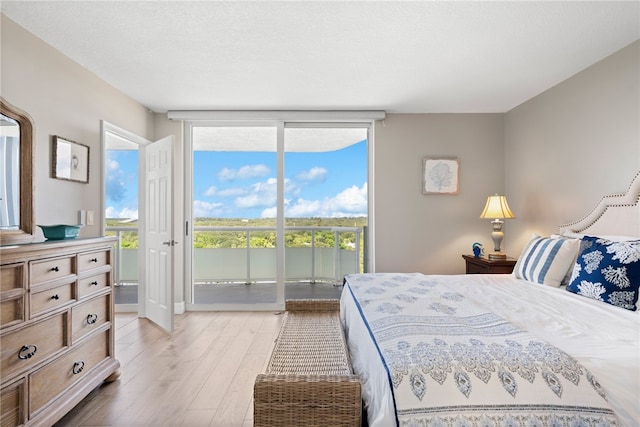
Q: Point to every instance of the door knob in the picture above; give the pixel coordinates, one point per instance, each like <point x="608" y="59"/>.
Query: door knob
<point x="170" y="243"/>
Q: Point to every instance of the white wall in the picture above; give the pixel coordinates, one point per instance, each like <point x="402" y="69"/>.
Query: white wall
<point x="63" y="99"/>
<point x="572" y="144"/>
<point x="429" y="233"/>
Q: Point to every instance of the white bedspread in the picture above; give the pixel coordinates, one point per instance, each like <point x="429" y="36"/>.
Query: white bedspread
<point x="602" y="338"/>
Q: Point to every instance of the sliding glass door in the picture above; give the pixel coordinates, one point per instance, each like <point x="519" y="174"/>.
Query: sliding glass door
<point x="326" y="207"/>
<point x="234" y="215"/>
<point x="278" y="211"/>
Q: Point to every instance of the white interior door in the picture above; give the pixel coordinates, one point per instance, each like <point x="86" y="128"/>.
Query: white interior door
<point x="158" y="233"/>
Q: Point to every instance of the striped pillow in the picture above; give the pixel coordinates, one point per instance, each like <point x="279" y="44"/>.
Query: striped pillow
<point x="546" y="261"/>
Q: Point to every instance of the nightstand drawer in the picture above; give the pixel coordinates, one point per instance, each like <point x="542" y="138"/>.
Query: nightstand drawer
<point x="481" y="265"/>
<point x="476" y="269"/>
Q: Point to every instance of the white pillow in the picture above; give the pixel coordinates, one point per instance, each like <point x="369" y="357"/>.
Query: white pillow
<point x="567" y="277"/>
<point x="546" y="261"/>
<point x="613" y="238"/>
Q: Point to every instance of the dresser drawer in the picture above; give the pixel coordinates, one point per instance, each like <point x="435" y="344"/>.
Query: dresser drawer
<point x="49" y="269"/>
<point x="12" y="404"/>
<point x="92" y="284"/>
<point x="12" y="294"/>
<point x="89" y="260"/>
<point x="52" y="379"/>
<point x="22" y="349"/>
<point x="89" y="316"/>
<point x="50" y="298"/>
<point x="12" y="310"/>
<point x="12" y="277"/>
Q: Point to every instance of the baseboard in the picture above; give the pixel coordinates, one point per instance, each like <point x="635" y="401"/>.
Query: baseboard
<point x="179" y="307"/>
<point x="126" y="308"/>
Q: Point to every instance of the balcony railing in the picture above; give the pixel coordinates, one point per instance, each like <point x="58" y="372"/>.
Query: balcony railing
<point x="246" y="264"/>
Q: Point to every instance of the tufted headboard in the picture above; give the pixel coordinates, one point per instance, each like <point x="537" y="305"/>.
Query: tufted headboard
<point x="617" y="214"/>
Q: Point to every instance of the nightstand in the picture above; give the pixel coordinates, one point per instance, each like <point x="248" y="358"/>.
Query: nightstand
<point x="483" y="265"/>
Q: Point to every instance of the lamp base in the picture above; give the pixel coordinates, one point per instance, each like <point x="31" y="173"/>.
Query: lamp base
<point x="497" y="256"/>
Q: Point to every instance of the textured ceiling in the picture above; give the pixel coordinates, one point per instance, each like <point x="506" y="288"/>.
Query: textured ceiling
<point x="398" y="56"/>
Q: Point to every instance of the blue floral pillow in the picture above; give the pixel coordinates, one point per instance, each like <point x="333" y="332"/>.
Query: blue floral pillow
<point x="608" y="271"/>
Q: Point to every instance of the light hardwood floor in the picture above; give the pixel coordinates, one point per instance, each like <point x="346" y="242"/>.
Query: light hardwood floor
<point x="201" y="375"/>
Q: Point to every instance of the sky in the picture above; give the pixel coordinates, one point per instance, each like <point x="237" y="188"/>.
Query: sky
<point x="243" y="184"/>
<point x="121" y="184"/>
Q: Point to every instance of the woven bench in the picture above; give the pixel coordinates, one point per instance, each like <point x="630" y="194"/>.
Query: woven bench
<point x="309" y="380"/>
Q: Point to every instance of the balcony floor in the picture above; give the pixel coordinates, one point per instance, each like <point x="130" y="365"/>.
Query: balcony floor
<point x="241" y="293"/>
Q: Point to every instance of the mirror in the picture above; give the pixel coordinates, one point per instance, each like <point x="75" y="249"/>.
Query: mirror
<point x="10" y="179"/>
<point x="17" y="223"/>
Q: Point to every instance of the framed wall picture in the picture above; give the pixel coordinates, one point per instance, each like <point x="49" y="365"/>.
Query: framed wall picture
<point x="440" y="175"/>
<point x="70" y="160"/>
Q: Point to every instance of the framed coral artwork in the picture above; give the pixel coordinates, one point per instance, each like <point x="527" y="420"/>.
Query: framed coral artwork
<point x="440" y="175"/>
<point x="70" y="160"/>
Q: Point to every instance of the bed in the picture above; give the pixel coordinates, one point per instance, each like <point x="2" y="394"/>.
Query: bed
<point x="554" y="344"/>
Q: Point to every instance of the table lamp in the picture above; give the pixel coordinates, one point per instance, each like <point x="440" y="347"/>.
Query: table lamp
<point x="498" y="209"/>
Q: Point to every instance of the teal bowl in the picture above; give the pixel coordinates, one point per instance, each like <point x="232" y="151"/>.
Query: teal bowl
<point x="60" y="231"/>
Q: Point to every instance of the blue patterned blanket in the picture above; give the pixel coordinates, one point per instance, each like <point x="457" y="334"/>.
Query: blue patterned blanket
<point x="451" y="362"/>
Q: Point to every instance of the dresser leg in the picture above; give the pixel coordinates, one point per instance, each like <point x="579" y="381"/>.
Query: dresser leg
<point x="113" y="377"/>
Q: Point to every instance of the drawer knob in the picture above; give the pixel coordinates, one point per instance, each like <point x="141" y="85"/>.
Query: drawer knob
<point x="93" y="260"/>
<point x="55" y="268"/>
<point x="94" y="283"/>
<point x="78" y="367"/>
<point x="56" y="296"/>
<point x="92" y="318"/>
<point x="27" y="352"/>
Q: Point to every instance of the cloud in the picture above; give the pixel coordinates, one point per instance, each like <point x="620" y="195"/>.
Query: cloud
<point x="111" y="164"/>
<point x="124" y="213"/>
<point x="316" y="173"/>
<point x="232" y="192"/>
<point x="226" y="192"/>
<point x="350" y="202"/>
<point x="115" y="185"/>
<point x="211" y="191"/>
<point x="269" y="212"/>
<point x="261" y="194"/>
<point x="206" y="209"/>
<point x="264" y="194"/>
<point x="245" y="172"/>
<point x="304" y="208"/>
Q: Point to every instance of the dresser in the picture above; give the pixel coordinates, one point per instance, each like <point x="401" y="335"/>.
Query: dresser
<point x="56" y="327"/>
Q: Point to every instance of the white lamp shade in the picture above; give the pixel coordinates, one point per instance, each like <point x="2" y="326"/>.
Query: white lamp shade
<point x="497" y="207"/>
